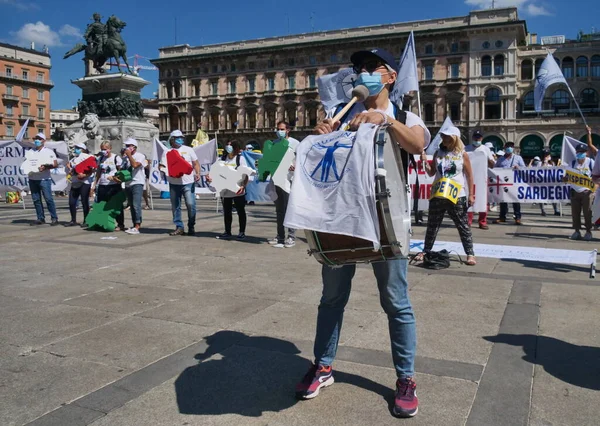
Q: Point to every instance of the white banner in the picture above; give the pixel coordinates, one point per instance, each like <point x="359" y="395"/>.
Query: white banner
<point x="12" y="155"/>
<point x="207" y="155"/>
<point x="527" y="185"/>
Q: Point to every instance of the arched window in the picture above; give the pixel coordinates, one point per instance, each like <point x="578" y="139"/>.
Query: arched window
<point x="499" y="65"/>
<point x="589" y="98"/>
<point x="455" y="111"/>
<point x="169" y="90"/>
<point x="486" y="66"/>
<point x="560" y="100"/>
<point x="567" y="67"/>
<point x="177" y="87"/>
<point x="493" y="108"/>
<point x="538" y="65"/>
<point x="582" y="66"/>
<point x="429" y="113"/>
<point x="527" y="70"/>
<point x="595" y="68"/>
<point x="528" y="102"/>
<point x="173" y="117"/>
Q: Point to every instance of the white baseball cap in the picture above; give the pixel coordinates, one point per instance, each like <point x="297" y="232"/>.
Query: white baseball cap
<point x="176" y="134"/>
<point x="130" y="141"/>
<point x="80" y="145"/>
<point x="536" y="158"/>
<point x="500" y="153"/>
<point x="40" y="136"/>
<point x="489" y="145"/>
<point x="451" y="131"/>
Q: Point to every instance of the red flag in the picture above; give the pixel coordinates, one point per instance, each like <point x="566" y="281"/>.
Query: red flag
<point x="177" y="165"/>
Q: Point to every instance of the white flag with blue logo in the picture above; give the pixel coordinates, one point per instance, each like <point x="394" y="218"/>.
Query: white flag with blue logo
<point x="548" y="75"/>
<point x="334" y="185"/>
<point x="568" y="153"/>
<point x="435" y="143"/>
<point x="408" y="79"/>
<point x="335" y="89"/>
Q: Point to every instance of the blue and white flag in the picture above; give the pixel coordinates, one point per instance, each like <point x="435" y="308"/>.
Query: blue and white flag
<point x="435" y="143"/>
<point x="21" y="133"/>
<point x="568" y="152"/>
<point x="251" y="158"/>
<point x="407" y="80"/>
<point x="548" y="75"/>
<point x="335" y="89"/>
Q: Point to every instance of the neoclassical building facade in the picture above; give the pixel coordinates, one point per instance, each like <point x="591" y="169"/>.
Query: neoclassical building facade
<point x="477" y="69"/>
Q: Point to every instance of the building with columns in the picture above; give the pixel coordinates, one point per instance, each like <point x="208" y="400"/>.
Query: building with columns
<point x="470" y="69"/>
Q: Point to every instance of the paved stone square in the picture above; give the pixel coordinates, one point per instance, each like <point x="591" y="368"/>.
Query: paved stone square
<point x="159" y="330"/>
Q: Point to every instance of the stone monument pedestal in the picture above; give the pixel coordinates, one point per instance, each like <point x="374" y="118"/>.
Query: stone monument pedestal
<point x="111" y="110"/>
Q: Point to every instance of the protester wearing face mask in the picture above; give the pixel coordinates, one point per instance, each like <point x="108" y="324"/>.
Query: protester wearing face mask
<point x="545" y="161"/>
<point x="80" y="185"/>
<point x="377" y="70"/>
<point x="581" y="197"/>
<point x="107" y="184"/>
<point x="509" y="160"/>
<point x="280" y="241"/>
<point x="477" y="146"/>
<point x="135" y="162"/>
<point x="233" y="158"/>
<point x="40" y="183"/>
<point x="183" y="186"/>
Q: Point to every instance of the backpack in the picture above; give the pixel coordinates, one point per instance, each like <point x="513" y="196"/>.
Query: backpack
<point x="436" y="259"/>
<point x="400" y="116"/>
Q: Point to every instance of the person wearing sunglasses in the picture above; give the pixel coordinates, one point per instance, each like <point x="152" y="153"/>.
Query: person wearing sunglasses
<point x="376" y="70"/>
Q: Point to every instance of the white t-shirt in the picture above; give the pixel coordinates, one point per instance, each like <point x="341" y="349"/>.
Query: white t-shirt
<point x="108" y="168"/>
<point x="232" y="162"/>
<point x="188" y="154"/>
<point x="451" y="165"/>
<point x="411" y="119"/>
<point x="75" y="181"/>
<point x="481" y="148"/>
<point x="138" y="176"/>
<point x="45" y="156"/>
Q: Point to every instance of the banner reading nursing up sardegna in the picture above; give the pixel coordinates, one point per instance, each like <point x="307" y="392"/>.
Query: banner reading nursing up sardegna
<point x="528" y="185"/>
<point x="207" y="155"/>
<point x="12" y="155"/>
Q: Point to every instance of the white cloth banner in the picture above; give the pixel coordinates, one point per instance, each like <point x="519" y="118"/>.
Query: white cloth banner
<point x="334" y="185"/>
<point x="207" y="155"/>
<point x="527" y="185"/>
<point x="533" y="254"/>
<point x="479" y="166"/>
<point x="548" y="75"/>
<point x="12" y="155"/>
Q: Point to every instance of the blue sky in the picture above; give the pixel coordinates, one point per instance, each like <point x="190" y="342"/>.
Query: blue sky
<point x="151" y="24"/>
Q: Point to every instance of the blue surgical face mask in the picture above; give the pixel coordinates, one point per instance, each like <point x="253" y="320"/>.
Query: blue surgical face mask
<point x="581" y="155"/>
<point x="371" y="82"/>
<point x="229" y="149"/>
<point x="104" y="153"/>
<point x="178" y="141"/>
<point x="77" y="151"/>
<point x="281" y="134"/>
<point x="477" y="144"/>
<point x="37" y="143"/>
<point x="509" y="150"/>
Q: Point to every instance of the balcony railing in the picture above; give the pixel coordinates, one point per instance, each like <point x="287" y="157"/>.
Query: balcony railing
<point x="10" y="97"/>
<point x="27" y="79"/>
<point x="27" y="116"/>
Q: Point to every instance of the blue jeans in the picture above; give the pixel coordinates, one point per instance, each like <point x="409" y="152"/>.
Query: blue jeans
<point x="176" y="191"/>
<point x="39" y="188"/>
<point x="393" y="296"/>
<point x="134" y="199"/>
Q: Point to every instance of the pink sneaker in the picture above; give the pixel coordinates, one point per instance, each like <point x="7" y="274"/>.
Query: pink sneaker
<point x="406" y="403"/>
<point x="316" y="378"/>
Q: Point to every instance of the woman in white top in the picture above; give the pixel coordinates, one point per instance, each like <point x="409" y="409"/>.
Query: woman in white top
<point x="451" y="167"/>
<point x="232" y="157"/>
<point x="107" y="184"/>
<point x="80" y="184"/>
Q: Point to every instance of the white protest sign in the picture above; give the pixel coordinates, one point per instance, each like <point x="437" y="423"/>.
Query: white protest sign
<point x="228" y="178"/>
<point x="479" y="166"/>
<point x="527" y="185"/>
<point x="282" y="176"/>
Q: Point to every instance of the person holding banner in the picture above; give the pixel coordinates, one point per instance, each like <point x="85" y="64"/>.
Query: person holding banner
<point x="80" y="185"/>
<point x="134" y="162"/>
<point x="181" y="163"/>
<point x="377" y="71"/>
<point x="107" y="184"/>
<point x="233" y="158"/>
<point x="477" y="146"/>
<point x="40" y="182"/>
<point x="452" y="169"/>
<point x="509" y="160"/>
<point x="581" y="196"/>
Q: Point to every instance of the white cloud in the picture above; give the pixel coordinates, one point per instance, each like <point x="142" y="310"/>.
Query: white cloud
<point x="20" y="4"/>
<point x="42" y="35"/>
<point x="528" y="7"/>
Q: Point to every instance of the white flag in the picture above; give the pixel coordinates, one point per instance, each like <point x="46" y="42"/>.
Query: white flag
<point x="435" y="143"/>
<point x="408" y="79"/>
<point x="568" y="153"/>
<point x="335" y="89"/>
<point x="548" y="75"/>
<point x="21" y="133"/>
<point x="207" y="153"/>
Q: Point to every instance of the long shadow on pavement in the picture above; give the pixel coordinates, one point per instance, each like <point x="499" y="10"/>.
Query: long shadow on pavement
<point x="555" y="267"/>
<point x="257" y="376"/>
<point x="574" y="364"/>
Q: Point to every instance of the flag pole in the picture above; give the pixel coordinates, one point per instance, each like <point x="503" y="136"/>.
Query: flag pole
<point x="577" y="105"/>
<point x="419" y="102"/>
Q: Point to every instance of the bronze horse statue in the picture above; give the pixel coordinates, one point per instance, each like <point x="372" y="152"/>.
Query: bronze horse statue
<point x="112" y="46"/>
